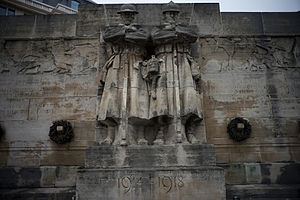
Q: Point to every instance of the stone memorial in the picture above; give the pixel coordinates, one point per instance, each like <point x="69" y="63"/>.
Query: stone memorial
<point x="150" y="109"/>
<point x="149" y="101"/>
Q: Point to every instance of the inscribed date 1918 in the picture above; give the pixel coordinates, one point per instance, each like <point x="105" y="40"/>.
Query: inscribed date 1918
<point x="166" y="183"/>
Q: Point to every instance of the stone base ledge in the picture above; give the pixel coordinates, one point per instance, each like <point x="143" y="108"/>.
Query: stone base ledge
<point x="150" y="156"/>
<point x="164" y="183"/>
<point x="164" y="168"/>
<point x="263" y="191"/>
<point x="38" y="193"/>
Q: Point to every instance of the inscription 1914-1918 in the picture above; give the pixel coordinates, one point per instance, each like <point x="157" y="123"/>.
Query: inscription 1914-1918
<point x="166" y="183"/>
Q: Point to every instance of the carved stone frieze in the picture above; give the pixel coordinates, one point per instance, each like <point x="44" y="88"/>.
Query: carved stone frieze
<point x="252" y="54"/>
<point x="48" y="56"/>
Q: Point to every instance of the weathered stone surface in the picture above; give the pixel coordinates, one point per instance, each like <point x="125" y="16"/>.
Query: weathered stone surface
<point x="261" y="173"/>
<point x="288" y="174"/>
<point x="38" y="193"/>
<point x="248" y="77"/>
<point x="14" y="26"/>
<point x="235" y="174"/>
<point x="48" y="176"/>
<point x="38" y="26"/>
<point x="9" y="178"/>
<point x="139" y="97"/>
<point x="49" y="66"/>
<point x="266" y="192"/>
<point x="281" y="23"/>
<point x="243" y="96"/>
<point x="49" y="57"/>
<point x="242" y="23"/>
<point x="66" y="176"/>
<point x="206" y="17"/>
<point x="152" y="183"/>
<point x="93" y="19"/>
<point x="295" y="151"/>
<point x="59" y="157"/>
<point x="20" y="177"/>
<point x="36" y="177"/>
<point x="151" y="172"/>
<point x="150" y="156"/>
<point x="43" y="81"/>
<point x="30" y="177"/>
<point x="253" y="173"/>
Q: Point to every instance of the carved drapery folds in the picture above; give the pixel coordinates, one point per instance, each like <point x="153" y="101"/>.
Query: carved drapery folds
<point x="124" y="94"/>
<point x="158" y="96"/>
<point x="177" y="96"/>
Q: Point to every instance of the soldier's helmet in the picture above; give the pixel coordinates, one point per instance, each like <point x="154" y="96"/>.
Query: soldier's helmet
<point x="170" y="7"/>
<point x="128" y="8"/>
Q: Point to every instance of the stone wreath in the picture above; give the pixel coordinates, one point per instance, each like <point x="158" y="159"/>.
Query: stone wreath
<point x="239" y="129"/>
<point x="61" y="132"/>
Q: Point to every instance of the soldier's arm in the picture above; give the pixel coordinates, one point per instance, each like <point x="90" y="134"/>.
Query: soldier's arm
<point x="136" y="35"/>
<point x="163" y="36"/>
<point x="186" y="34"/>
<point x="114" y="34"/>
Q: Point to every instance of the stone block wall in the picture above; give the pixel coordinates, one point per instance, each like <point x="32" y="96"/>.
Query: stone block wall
<point x="250" y="68"/>
<point x="47" y="74"/>
<point x="43" y="80"/>
<point x="256" y="78"/>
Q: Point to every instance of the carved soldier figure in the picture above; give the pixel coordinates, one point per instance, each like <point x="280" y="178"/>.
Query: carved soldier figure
<point x="150" y="72"/>
<point x="124" y="98"/>
<point x="177" y="104"/>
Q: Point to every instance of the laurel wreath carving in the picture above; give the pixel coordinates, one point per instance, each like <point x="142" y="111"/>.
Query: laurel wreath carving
<point x="239" y="134"/>
<point x="61" y="132"/>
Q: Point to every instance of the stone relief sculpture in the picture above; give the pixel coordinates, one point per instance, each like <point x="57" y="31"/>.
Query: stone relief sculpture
<point x="160" y="94"/>
<point x="177" y="104"/>
<point x="252" y="54"/>
<point x="151" y="73"/>
<point x="45" y="57"/>
<point x="124" y="97"/>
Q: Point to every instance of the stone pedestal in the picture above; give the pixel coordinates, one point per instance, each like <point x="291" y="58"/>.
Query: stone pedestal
<point x="166" y="172"/>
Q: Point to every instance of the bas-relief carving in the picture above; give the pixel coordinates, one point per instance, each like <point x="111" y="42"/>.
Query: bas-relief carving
<point x="45" y="56"/>
<point x="159" y="96"/>
<point x="252" y="54"/>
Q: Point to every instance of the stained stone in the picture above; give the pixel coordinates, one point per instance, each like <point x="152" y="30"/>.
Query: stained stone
<point x="172" y="183"/>
<point x="150" y="156"/>
<point x="233" y="64"/>
<point x="151" y="172"/>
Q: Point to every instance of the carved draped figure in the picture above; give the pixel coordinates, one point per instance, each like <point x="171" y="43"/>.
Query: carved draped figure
<point x="176" y="93"/>
<point x="124" y="94"/>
